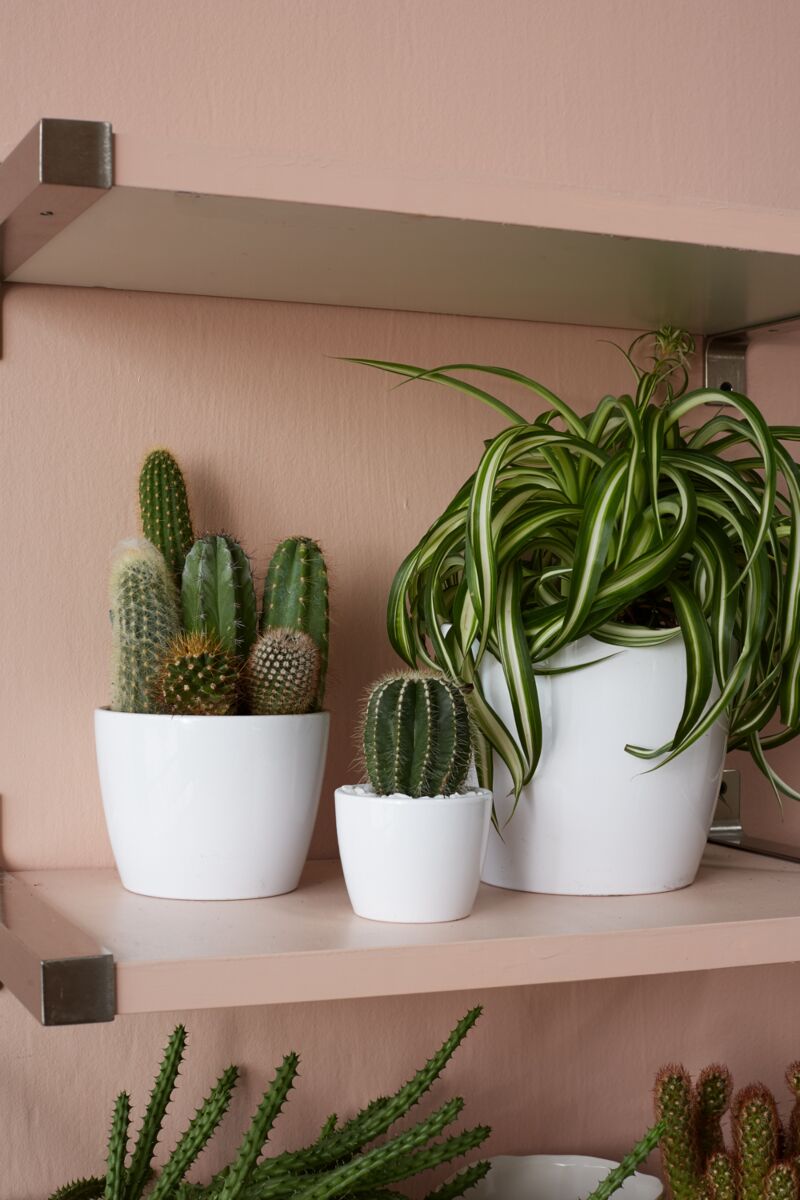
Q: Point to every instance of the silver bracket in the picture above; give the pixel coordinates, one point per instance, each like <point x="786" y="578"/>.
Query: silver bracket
<point x="60" y="974"/>
<point x="725" y="362"/>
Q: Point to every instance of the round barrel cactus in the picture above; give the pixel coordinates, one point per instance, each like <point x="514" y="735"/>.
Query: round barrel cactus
<point x="197" y="678"/>
<point x="282" y="673"/>
<point x="416" y="735"/>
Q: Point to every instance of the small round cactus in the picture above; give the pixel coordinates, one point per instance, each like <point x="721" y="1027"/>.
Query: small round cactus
<point x="197" y="678"/>
<point x="282" y="673"/>
<point x="416" y="736"/>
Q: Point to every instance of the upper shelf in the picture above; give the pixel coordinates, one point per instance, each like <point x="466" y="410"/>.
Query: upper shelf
<point x="204" y="221"/>
<point x="165" y="954"/>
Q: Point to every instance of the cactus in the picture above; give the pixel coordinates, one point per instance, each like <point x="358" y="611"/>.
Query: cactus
<point x="144" y="619"/>
<point x="164" y="509"/>
<point x="117" y="1149"/>
<point x="338" y="1170"/>
<point x="217" y="594"/>
<point x="282" y="672"/>
<point x="416" y="736"/>
<point x="197" y="678"/>
<point x="696" y="1163"/>
<point x="296" y="597"/>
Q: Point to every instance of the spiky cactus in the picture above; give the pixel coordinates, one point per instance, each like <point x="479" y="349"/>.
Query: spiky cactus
<point x="696" y="1163"/>
<point x="217" y="594"/>
<point x="416" y="736"/>
<point x="296" y="597"/>
<point x="197" y="677"/>
<point x="164" y="509"/>
<point x="343" y="1163"/>
<point x="144" y="620"/>
<point x="282" y="673"/>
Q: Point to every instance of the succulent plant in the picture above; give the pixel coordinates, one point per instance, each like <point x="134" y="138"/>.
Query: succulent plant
<point x="197" y="677"/>
<point x="282" y="672"/>
<point x="296" y="597"/>
<point x="416" y="736"/>
<point x="144" y="620"/>
<point x="341" y="1162"/>
<point x="164" y="508"/>
<point x="762" y="1164"/>
<point x="217" y="594"/>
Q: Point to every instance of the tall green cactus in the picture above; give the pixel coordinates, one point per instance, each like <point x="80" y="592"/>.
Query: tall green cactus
<point x="144" y="620"/>
<point x="763" y="1163"/>
<point x="296" y="597"/>
<point x="217" y="593"/>
<point x="282" y="673"/>
<point x="416" y="736"/>
<point x="164" y="508"/>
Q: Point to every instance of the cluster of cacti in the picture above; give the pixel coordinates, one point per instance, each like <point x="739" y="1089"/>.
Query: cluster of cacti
<point x="764" y="1160"/>
<point x="416" y="736"/>
<point x="347" y="1161"/>
<point x="344" y="1161"/>
<point x="188" y="638"/>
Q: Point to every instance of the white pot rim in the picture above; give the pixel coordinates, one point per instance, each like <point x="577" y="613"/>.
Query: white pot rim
<point x="360" y="791"/>
<point x="186" y="718"/>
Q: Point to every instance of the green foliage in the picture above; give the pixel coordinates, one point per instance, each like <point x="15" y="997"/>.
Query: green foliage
<point x="633" y="524"/>
<point x="197" y="678"/>
<point x="282" y="672"/>
<point x="296" y="597"/>
<point x="335" y="1166"/>
<point x="164" y="509"/>
<point x="416" y="736"/>
<point x="630" y="1163"/>
<point x="144" y="620"/>
<point x="762" y="1164"/>
<point x="217" y="594"/>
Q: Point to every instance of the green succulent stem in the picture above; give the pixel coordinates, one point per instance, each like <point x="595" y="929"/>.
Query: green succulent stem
<point x="461" y="1183"/>
<point x="117" y="1148"/>
<point x="197" y="1134"/>
<point x="217" y="593"/>
<point x="82" y="1189"/>
<point x="160" y="1096"/>
<point x="630" y="1163"/>
<point x="164" y="509"/>
<point x="258" y="1131"/>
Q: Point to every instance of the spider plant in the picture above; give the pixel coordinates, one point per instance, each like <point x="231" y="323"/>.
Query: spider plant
<point x="635" y="524"/>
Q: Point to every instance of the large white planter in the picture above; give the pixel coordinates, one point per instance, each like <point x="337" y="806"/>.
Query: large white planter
<point x="210" y="808"/>
<point x="595" y="820"/>
<point x="412" y="860"/>
<point x="558" y="1177"/>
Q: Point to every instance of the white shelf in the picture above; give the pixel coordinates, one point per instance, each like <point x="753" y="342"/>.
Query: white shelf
<point x="743" y="910"/>
<point x="206" y="221"/>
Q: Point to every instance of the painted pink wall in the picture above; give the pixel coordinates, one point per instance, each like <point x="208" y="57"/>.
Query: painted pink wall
<point x="675" y="103"/>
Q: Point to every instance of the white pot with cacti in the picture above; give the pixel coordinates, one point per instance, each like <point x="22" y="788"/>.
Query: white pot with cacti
<point x="412" y="841"/>
<point x="212" y="753"/>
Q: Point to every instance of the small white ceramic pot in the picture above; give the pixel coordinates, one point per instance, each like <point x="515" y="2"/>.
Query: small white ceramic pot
<point x="210" y="808"/>
<point x="412" y="860"/>
<point x="595" y="820"/>
<point x="558" y="1177"/>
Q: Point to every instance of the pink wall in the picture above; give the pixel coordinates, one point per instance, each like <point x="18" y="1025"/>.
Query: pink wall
<point x="677" y="102"/>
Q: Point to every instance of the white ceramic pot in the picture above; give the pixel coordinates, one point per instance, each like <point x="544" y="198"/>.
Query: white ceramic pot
<point x="558" y="1177"/>
<point x="412" y="860"/>
<point x="210" y="808"/>
<point x="595" y="820"/>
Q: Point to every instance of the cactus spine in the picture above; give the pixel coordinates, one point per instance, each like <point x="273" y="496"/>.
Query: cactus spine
<point x="416" y="736"/>
<point x="164" y="508"/>
<point x="696" y="1163"/>
<point x="197" y="678"/>
<point x="296" y="597"/>
<point x="282" y="672"/>
<point x="144" y="620"/>
<point x="217" y="594"/>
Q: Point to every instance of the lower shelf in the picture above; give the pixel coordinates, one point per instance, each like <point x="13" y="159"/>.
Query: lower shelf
<point x="743" y="910"/>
